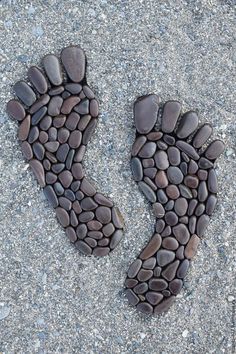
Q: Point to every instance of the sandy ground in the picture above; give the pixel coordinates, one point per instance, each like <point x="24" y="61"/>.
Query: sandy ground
<point x="52" y="299"/>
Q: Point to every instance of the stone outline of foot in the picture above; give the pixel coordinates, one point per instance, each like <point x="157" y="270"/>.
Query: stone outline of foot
<point x="57" y="118"/>
<point x="177" y="176"/>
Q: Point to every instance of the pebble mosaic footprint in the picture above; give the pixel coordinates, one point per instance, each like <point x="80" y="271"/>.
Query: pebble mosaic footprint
<point x="176" y="174"/>
<point x="57" y="119"/>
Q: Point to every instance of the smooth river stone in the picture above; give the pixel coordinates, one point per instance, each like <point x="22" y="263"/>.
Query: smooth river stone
<point x="115" y="239"/>
<point x="191" y="181"/>
<point x="187" y="149"/>
<point x="83" y="122"/>
<point x="173" y="156"/>
<point x="73" y="88"/>
<point x="15" y="110"/>
<point x="158" y="210"/>
<point x="145" y="113"/>
<point x="58" y="167"/>
<point x="24" y="128"/>
<point x="24" y="92"/>
<point x="77" y="171"/>
<point x="170" y="115"/>
<point x="38" y="150"/>
<point x="37" y="79"/>
<point x="188" y="123"/>
<point x="65" y="178"/>
<point x="161" y="179"/>
<point x="202" y="224"/>
<point x="53" y="69"/>
<point x="88" y="204"/>
<point x="202" y="135"/>
<point x="117" y="218"/>
<point x="172" y="191"/>
<point x="141" y="288"/>
<point x="43" y="137"/>
<point x="37" y="116"/>
<point x="81" y="231"/>
<point x="73" y="59"/>
<point x="171" y="218"/>
<point x="148" y="150"/>
<point x="191" y="207"/>
<point x="134" y="268"/>
<point x="101" y="199"/>
<point x="33" y="134"/>
<point x="212" y="181"/>
<point x="27" y="150"/>
<point x="87" y="188"/>
<point x="51" y="196"/>
<point x="152" y="247"/>
<point x="164" y="305"/>
<point x="214" y="149"/>
<point x="200" y="209"/>
<point x="45" y="123"/>
<point x="54" y="106"/>
<point x="161" y="160"/>
<point x="137" y="145"/>
<point x="72" y="121"/>
<point x="181" y="233"/>
<point x="137" y="169"/>
<point x="170" y="271"/>
<point x="170" y="243"/>
<point x="191" y="247"/>
<point x="52" y="146"/>
<point x="108" y="229"/>
<point x="157" y="284"/>
<point x="144" y="275"/>
<point x="174" y="175"/>
<point x="71" y="234"/>
<point x="204" y="163"/>
<point x="183" y="268"/>
<point x="149" y="263"/>
<point x="42" y="101"/>
<point x="58" y="188"/>
<point x="202" y="175"/>
<point x="62" y="152"/>
<point x="202" y="191"/>
<point x="63" y="216"/>
<point x="147" y="191"/>
<point x="150" y="172"/>
<point x="103" y="214"/>
<point x="185" y="191"/>
<point x="63" y="135"/>
<point x="132" y="297"/>
<point x="38" y="171"/>
<point x="210" y="204"/>
<point x="175" y="286"/>
<point x="181" y="206"/>
<point x="89" y="131"/>
<point x="153" y="297"/>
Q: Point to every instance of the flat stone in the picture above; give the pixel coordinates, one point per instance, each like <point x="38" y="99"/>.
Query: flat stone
<point x="54" y="107"/>
<point x="65" y="178"/>
<point x="83" y="107"/>
<point x="134" y="268"/>
<point x="168" y="139"/>
<point x="41" y="101"/>
<point x="73" y="59"/>
<point x="185" y="191"/>
<point x="73" y="88"/>
<point x="38" y="150"/>
<point x="191" y="181"/>
<point x="89" y="131"/>
<point x="87" y="188"/>
<point x="137" y="145"/>
<point x="149" y="263"/>
<point x="215" y="149"/>
<point x="210" y="204"/>
<point x="157" y="284"/>
<point x="188" y="123"/>
<point x="204" y="163"/>
<point x="164" y="257"/>
<point x="192" y="224"/>
<point x="77" y="171"/>
<point x="202" y="191"/>
<point x="180" y="253"/>
<point x="43" y="137"/>
<point x="152" y="247"/>
<point x="51" y="178"/>
<point x="137" y="169"/>
<point x="81" y="231"/>
<point x="132" y="297"/>
<point x="52" y="146"/>
<point x="73" y="219"/>
<point x="70" y="233"/>
<point x="212" y="181"/>
<point x="69" y="159"/>
<point x="173" y="156"/>
<point x="170" y="271"/>
<point x="69" y="104"/>
<point x="70" y="195"/>
<point x="174" y="174"/>
<point x="144" y="275"/>
<point x="24" y="92"/>
<point x="88" y="204"/>
<point x="38" y="171"/>
<point x="101" y="199"/>
<point x="59" y="121"/>
<point x="202" y="224"/>
<point x="153" y="297"/>
<point x="171" y="218"/>
<point x="161" y="160"/>
<point x="175" y="286"/>
<point x="53" y="69"/>
<point x="202" y="135"/>
<point x="145" y="113"/>
<point x="200" y="209"/>
<point x="191" y="247"/>
<point x="63" y="216"/>
<point x="108" y="229"/>
<point x="101" y="251"/>
<point x="15" y="110"/>
<point x="147" y="191"/>
<point x="116" y="238"/>
<point x="58" y="188"/>
<point x="141" y="288"/>
<point x="170" y="243"/>
<point x="83" y="247"/>
<point x="117" y="218"/>
<point x="83" y="122"/>
<point x="55" y="91"/>
<point x="38" y="79"/>
<point x="24" y="128"/>
<point x="170" y="115"/>
<point x="104" y="242"/>
<point x="158" y="210"/>
<point x="103" y="214"/>
<point x="160" y="224"/>
<point x="148" y="150"/>
<point x="188" y="149"/>
<point x="184" y="168"/>
<point x="150" y="172"/>
<point x="45" y="123"/>
<point x="75" y="186"/>
<point x="86" y="216"/>
<point x="191" y="207"/>
<point x="183" y="268"/>
<point x="172" y="191"/>
<point x="170" y="205"/>
<point x="181" y="233"/>
<point x="33" y="135"/>
<point x="181" y="206"/>
<point x="51" y="196"/>
<point x="65" y="203"/>
<point x="130" y="283"/>
<point x="161" y="180"/>
<point x="164" y="305"/>
<point x="93" y="108"/>
<point x="62" y="152"/>
<point x="51" y="157"/>
<point x="166" y="232"/>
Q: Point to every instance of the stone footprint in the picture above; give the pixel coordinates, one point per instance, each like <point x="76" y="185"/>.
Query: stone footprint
<point x="58" y="112"/>
<point x="176" y="174"/>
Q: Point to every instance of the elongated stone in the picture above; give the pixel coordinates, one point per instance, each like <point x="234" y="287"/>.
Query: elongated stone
<point x="38" y="170"/>
<point x="15" y="110"/>
<point x="53" y="69"/>
<point x="187" y="149"/>
<point x="158" y="209"/>
<point x="181" y="206"/>
<point x="141" y="288"/>
<point x="24" y="128"/>
<point x="24" y="92"/>
<point x="52" y="146"/>
<point x="62" y="152"/>
<point x="183" y="268"/>
<point x="173" y="155"/>
<point x="161" y="160"/>
<point x="191" y="207"/>
<point x="149" y="263"/>
<point x="117" y="218"/>
<point x="89" y="131"/>
<point x="134" y="268"/>
<point x="204" y="163"/>
<point x="45" y="123"/>
<point x="115" y="239"/>
<point x="132" y="297"/>
<point x="54" y="107"/>
<point x="38" y="150"/>
<point x="187" y="125"/>
<point x="37" y="79"/>
<point x="101" y="199"/>
<point x="191" y="247"/>
<point x="137" y="145"/>
<point x="202" y="191"/>
<point x="185" y="191"/>
<point x="174" y="175"/>
<point x="147" y="150"/>
<point x="214" y="149"/>
<point x="145" y="113"/>
<point x="42" y="101"/>
<point x="43" y="137"/>
<point x="27" y="150"/>
<point x="147" y="191"/>
<point x="181" y="233"/>
<point x="137" y="169"/>
<point x="212" y="181"/>
<point x="152" y="247"/>
<point x="73" y="59"/>
<point x="51" y="196"/>
<point x="77" y="171"/>
<point x="202" y="224"/>
<point x="170" y="271"/>
<point x="210" y="204"/>
<point x="202" y="135"/>
<point x="170" y="115"/>
<point x="83" y="247"/>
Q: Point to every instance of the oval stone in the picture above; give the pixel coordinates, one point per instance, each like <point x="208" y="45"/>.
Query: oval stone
<point x="170" y="115"/>
<point x="170" y="243"/>
<point x="212" y="181"/>
<point x="37" y="79"/>
<point x="157" y="284"/>
<point x="145" y="307"/>
<point x="147" y="191"/>
<point x="188" y="123"/>
<point x="108" y="229"/>
<point x="38" y="150"/>
<point x="202" y="135"/>
<point x="93" y="108"/>
<point x="70" y="233"/>
<point x="77" y="171"/>
<point x="134" y="268"/>
<point x="62" y="152"/>
<point x="181" y="206"/>
<point x="202" y="191"/>
<point x="153" y="297"/>
<point x="63" y="216"/>
<point x="137" y="169"/>
<point x="164" y="305"/>
<point x="54" y="106"/>
<point x="117" y="218"/>
<point x="165" y="257"/>
<point x="210" y="204"/>
<point x="24" y="92"/>
<point x="145" y="113"/>
<point x="187" y="149"/>
<point x="137" y="145"/>
<point x="191" y="247"/>
<point x="183" y="268"/>
<point x="214" y="149"/>
<point x="174" y="175"/>
<point x="172" y="191"/>
<point x="132" y="297"/>
<point x="65" y="178"/>
<point x="73" y="59"/>
<point x="161" y="179"/>
<point x="53" y="69"/>
<point x="173" y="155"/>
<point x="83" y="247"/>
<point x="15" y="110"/>
<point x="141" y="288"/>
<point x="191" y="181"/>
<point x="152" y="247"/>
<point x="170" y="271"/>
<point x="148" y="150"/>
<point x="161" y="160"/>
<point x="103" y="214"/>
<point x="158" y="209"/>
<point x="181" y="233"/>
<point x="115" y="239"/>
<point x="24" y="128"/>
<point x="171" y="218"/>
<point x="202" y="224"/>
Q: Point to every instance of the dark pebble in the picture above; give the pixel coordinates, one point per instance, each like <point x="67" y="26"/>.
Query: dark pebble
<point x="185" y="191"/>
<point x="54" y="106"/>
<point x="52" y="146"/>
<point x="103" y="214"/>
<point x="100" y="199"/>
<point x="202" y="224"/>
<point x="73" y="88"/>
<point x="83" y="107"/>
<point x="150" y="172"/>
<point x="148" y="150"/>
<point x="42" y="101"/>
<point x="16" y="110"/>
<point x="88" y="92"/>
<point x="37" y="79"/>
<point x="58" y="188"/>
<point x="164" y="257"/>
<point x="154" y="136"/>
<point x="70" y="233"/>
<point x="55" y="91"/>
<point x="202" y="175"/>
<point x="101" y="251"/>
<point x="164" y="305"/>
<point x="45" y="123"/>
<point x="160" y="224"/>
<point x="83" y="247"/>
<point x="183" y="268"/>
<point x="53" y="69"/>
<point x="73" y="218"/>
<point x="152" y="247"/>
<point x="214" y="149"/>
<point x="94" y="225"/>
<point x="89" y="131"/>
<point x="210" y="204"/>
<point x="43" y="137"/>
<point x="75" y="186"/>
<point x="161" y="179"/>
<point x="81" y="231"/>
<point x="145" y="307"/>
<point x="69" y="104"/>
<point x="83" y="123"/>
<point x="65" y="178"/>
<point x="187" y="149"/>
<point x="157" y="284"/>
<point x="172" y="191"/>
<point x="147" y="191"/>
<point x="86" y="216"/>
<point x="145" y="113"/>
<point x="158" y="210"/>
<point x="79" y="195"/>
<point x="149" y="263"/>
<point x="170" y="205"/>
<point x="141" y="288"/>
<point x="88" y="204"/>
<point x="63" y="135"/>
<point x="24" y="92"/>
<point x="166" y="231"/>
<point x="202" y="191"/>
<point x="73" y="59"/>
<point x="51" y="196"/>
<point x="69" y="159"/>
<point x="171" y="112"/>
<point x="202" y="135"/>
<point x="87" y="188"/>
<point x="70" y="195"/>
<point x="116" y="238"/>
<point x="181" y="206"/>
<point x="132" y="297"/>
<point x="212" y="181"/>
<point x="108" y="229"/>
<point x="72" y="121"/>
<point x="137" y="145"/>
<point x="191" y="247"/>
<point x="191" y="207"/>
<point x="170" y="271"/>
<point x="170" y="243"/>
<point x="130" y="283"/>
<point x="204" y="163"/>
<point x="91" y="242"/>
<point x="24" y="128"/>
<point x="191" y="181"/>
<point x="51" y="178"/>
<point x="174" y="175"/>
<point x="62" y="152"/>
<point x="192" y="224"/>
<point x="80" y="153"/>
<point x="181" y="233"/>
<point x="38" y="150"/>
<point x="62" y="216"/>
<point x="161" y="160"/>
<point x="33" y="135"/>
<point x="175" y="286"/>
<point x="180" y="253"/>
<point x="58" y="167"/>
<point x="173" y="155"/>
<point x="59" y="121"/>
<point x="188" y="123"/>
<point x="93" y="108"/>
<point x="65" y="203"/>
<point x="200" y="209"/>
<point x="171" y="218"/>
<point x="153" y="297"/>
<point x="51" y="157"/>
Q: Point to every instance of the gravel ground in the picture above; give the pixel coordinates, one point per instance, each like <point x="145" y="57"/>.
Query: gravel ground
<point x="52" y="299"/>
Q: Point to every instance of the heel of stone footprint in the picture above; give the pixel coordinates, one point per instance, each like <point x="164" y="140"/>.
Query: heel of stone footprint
<point x="177" y="176"/>
<point x="57" y="119"/>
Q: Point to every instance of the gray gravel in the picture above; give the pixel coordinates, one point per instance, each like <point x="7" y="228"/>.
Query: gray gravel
<point x="52" y="299"/>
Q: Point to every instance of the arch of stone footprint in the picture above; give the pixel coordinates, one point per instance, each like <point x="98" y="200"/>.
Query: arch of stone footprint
<point x="176" y="174"/>
<point x="57" y="118"/>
